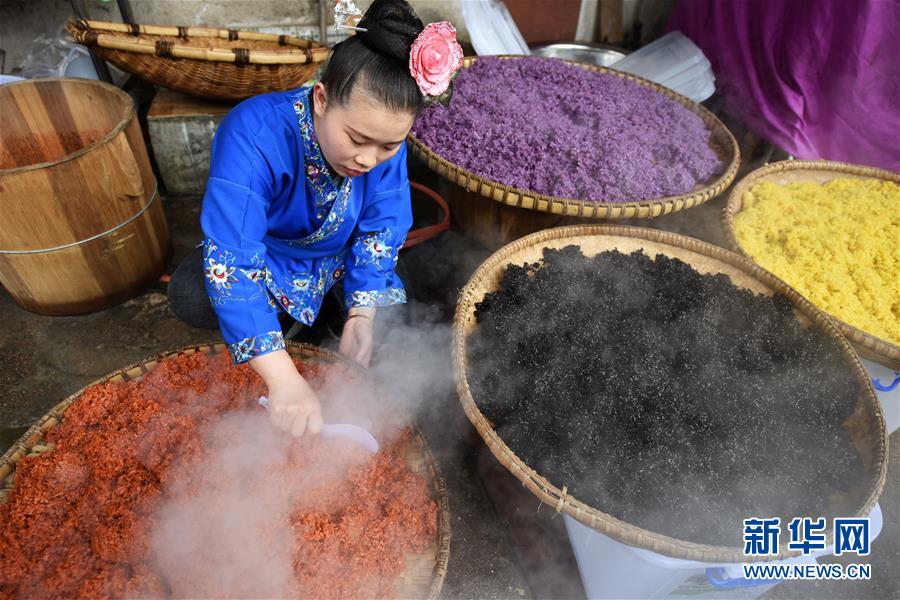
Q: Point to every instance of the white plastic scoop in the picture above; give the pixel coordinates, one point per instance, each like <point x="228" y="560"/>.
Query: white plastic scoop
<point x="344" y="430"/>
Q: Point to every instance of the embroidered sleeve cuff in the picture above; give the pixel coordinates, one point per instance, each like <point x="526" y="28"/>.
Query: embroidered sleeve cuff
<point x="247" y="348"/>
<point x="387" y="297"/>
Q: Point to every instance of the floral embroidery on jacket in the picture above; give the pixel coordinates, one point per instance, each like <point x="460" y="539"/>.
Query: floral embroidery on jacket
<point x="258" y="274"/>
<point x="378" y="248"/>
<point x="327" y="195"/>
<point x="377" y="297"/>
<point x="244" y="350"/>
<point x="219" y="269"/>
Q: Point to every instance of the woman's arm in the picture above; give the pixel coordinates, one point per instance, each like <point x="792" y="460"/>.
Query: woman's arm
<point x="370" y="280"/>
<point x="293" y="405"/>
<point x="235" y="221"/>
<point x="359" y="330"/>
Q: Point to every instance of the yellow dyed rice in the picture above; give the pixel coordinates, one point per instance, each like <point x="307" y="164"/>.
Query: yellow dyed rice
<point x="837" y="243"/>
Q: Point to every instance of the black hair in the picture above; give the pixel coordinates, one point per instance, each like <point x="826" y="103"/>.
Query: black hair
<point x="378" y="58"/>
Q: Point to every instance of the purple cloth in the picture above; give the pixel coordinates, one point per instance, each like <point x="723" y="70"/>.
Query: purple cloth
<point x="818" y="78"/>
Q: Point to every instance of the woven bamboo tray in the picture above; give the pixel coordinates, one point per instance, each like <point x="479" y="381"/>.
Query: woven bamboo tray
<point x="819" y="171"/>
<point x="225" y="64"/>
<point x="480" y="188"/>
<point x="866" y="425"/>
<point x="424" y="574"/>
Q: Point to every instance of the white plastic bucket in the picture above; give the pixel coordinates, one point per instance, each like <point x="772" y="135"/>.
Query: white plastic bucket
<point x="886" y="383"/>
<point x="611" y="569"/>
<point x="698" y="90"/>
<point x="665" y="59"/>
<point x="688" y="77"/>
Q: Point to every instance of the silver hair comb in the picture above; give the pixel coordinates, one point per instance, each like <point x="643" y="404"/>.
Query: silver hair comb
<point x="344" y="11"/>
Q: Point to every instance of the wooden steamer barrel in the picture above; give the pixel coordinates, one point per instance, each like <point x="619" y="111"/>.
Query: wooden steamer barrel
<point x="81" y="224"/>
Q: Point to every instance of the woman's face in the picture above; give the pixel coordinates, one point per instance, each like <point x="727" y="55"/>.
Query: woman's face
<point x="359" y="135"/>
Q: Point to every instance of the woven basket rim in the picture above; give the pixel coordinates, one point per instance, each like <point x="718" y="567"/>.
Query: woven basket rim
<point x="871" y="346"/>
<point x="127" y="101"/>
<point x="514" y="196"/>
<point x="36" y="432"/>
<point x="317" y="51"/>
<point x="558" y="498"/>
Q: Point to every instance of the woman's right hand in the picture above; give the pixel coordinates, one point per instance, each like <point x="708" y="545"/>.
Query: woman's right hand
<point x="293" y="405"/>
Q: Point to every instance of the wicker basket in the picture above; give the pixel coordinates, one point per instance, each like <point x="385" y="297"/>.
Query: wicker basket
<point x="793" y="171"/>
<point x="723" y="142"/>
<point x="224" y="64"/>
<point x="866" y="425"/>
<point x="424" y="573"/>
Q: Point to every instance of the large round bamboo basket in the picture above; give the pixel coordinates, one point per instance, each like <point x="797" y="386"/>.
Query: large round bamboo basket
<point x="819" y="171"/>
<point x="496" y="214"/>
<point x="424" y="573"/>
<point x="82" y="225"/>
<point x="866" y="425"/>
<point x="225" y="64"/>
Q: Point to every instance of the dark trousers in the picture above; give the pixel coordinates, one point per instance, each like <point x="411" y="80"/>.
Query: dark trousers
<point x="187" y="293"/>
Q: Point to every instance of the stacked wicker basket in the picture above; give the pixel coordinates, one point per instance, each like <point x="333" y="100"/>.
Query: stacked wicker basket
<point x="225" y="64"/>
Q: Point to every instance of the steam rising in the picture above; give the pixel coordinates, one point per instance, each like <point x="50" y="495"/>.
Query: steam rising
<point x="224" y="526"/>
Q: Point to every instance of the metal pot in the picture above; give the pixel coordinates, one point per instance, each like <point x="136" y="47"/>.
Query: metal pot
<point x="595" y="54"/>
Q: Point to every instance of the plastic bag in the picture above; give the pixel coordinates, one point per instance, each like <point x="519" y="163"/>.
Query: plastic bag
<point x="58" y="56"/>
<point x="52" y="55"/>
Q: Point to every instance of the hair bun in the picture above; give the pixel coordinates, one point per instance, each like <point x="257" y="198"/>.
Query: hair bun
<point x="391" y="28"/>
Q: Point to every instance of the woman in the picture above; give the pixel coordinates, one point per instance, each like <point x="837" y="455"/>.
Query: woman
<point x="308" y="188"/>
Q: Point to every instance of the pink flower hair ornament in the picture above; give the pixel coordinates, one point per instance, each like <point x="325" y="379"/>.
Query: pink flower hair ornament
<point x="434" y="58"/>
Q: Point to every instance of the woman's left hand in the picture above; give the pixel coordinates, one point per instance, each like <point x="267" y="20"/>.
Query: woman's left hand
<point x="357" y="339"/>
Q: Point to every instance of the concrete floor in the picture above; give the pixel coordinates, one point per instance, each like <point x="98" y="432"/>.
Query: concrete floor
<point x="503" y="545"/>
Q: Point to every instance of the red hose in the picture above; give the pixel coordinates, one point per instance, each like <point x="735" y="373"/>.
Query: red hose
<point x="422" y="234"/>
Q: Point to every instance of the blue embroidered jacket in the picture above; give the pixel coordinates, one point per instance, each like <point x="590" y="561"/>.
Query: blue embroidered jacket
<point x="280" y="231"/>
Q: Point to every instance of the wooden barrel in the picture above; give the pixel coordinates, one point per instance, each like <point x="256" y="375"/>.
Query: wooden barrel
<point x="82" y="227"/>
<point x="494" y="224"/>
